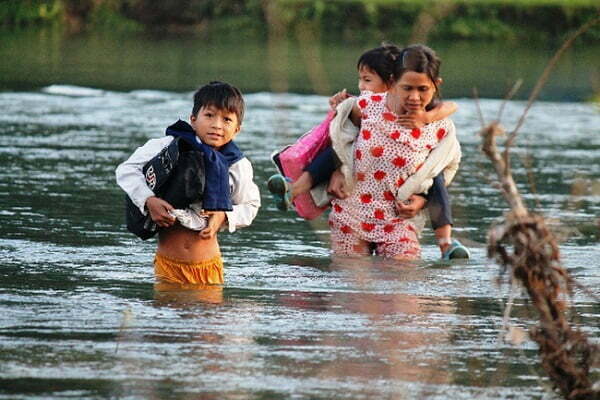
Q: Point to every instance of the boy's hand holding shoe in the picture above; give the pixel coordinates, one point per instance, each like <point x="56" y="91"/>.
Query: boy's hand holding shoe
<point x="159" y="211"/>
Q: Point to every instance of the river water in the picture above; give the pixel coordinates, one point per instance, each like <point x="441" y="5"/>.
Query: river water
<point x="80" y="316"/>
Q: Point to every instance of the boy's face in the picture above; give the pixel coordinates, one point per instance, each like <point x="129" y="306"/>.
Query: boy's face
<point x="369" y="80"/>
<point x="215" y="127"/>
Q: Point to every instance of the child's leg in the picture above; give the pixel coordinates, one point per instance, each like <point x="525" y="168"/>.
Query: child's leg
<point x="301" y="185"/>
<point x="318" y="171"/>
<point x="440" y="213"/>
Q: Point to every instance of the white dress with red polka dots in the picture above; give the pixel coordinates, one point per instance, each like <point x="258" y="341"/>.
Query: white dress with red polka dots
<point x="385" y="155"/>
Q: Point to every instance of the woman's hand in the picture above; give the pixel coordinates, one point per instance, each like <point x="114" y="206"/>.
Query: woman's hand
<point x="412" y="206"/>
<point x="159" y="211"/>
<point x="337" y="185"/>
<point x="215" y="220"/>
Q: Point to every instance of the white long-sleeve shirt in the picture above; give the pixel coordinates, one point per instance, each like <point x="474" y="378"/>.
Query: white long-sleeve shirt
<point x="245" y="196"/>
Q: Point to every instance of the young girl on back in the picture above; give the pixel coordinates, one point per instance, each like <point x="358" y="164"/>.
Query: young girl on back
<point x="376" y="74"/>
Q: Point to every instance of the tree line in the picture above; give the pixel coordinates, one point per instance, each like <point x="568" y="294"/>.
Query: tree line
<point x="451" y="19"/>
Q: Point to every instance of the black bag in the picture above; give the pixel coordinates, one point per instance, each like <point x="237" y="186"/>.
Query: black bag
<point x="176" y="175"/>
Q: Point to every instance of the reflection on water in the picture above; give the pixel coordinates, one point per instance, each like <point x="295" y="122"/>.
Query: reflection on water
<point x="82" y="316"/>
<point x="279" y="64"/>
<point x="403" y="342"/>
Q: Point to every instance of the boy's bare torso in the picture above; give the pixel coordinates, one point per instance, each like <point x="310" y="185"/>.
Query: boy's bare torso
<point x="182" y="244"/>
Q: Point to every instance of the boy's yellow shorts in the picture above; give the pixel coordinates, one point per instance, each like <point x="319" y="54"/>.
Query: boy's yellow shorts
<point x="173" y="271"/>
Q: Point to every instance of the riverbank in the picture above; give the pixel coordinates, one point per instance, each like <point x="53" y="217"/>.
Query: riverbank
<point x="347" y="19"/>
<point x="178" y="62"/>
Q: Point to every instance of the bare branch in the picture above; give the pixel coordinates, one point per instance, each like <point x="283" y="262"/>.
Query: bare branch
<point x="525" y="247"/>
<point x="479" y="112"/>
<point x="509" y="96"/>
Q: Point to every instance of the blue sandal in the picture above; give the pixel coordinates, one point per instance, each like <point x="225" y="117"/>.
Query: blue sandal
<point x="455" y="251"/>
<point x="279" y="186"/>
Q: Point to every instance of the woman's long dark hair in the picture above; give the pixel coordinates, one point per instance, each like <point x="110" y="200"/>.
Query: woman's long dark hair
<point x="422" y="59"/>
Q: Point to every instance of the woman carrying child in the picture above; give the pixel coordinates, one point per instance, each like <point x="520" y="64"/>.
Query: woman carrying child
<point x="377" y="70"/>
<point x="382" y="163"/>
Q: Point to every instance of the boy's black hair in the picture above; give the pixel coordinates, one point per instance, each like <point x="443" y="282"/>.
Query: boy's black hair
<point x="381" y="60"/>
<point x="220" y="95"/>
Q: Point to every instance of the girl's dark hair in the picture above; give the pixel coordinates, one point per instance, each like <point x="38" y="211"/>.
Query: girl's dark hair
<point x="422" y="59"/>
<point x="381" y="60"/>
<point x="220" y="95"/>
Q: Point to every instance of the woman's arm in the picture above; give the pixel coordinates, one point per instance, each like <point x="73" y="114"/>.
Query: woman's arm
<point x="337" y="185"/>
<point x="444" y="157"/>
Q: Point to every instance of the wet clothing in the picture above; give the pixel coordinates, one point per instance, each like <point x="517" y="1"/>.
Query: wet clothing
<point x="385" y="155"/>
<point x="445" y="157"/>
<point x="349" y="242"/>
<point x="174" y="271"/>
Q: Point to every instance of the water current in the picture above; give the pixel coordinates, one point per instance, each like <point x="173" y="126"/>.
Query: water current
<point x="80" y="317"/>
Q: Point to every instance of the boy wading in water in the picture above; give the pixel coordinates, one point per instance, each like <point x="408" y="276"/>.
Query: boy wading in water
<point x="188" y="250"/>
